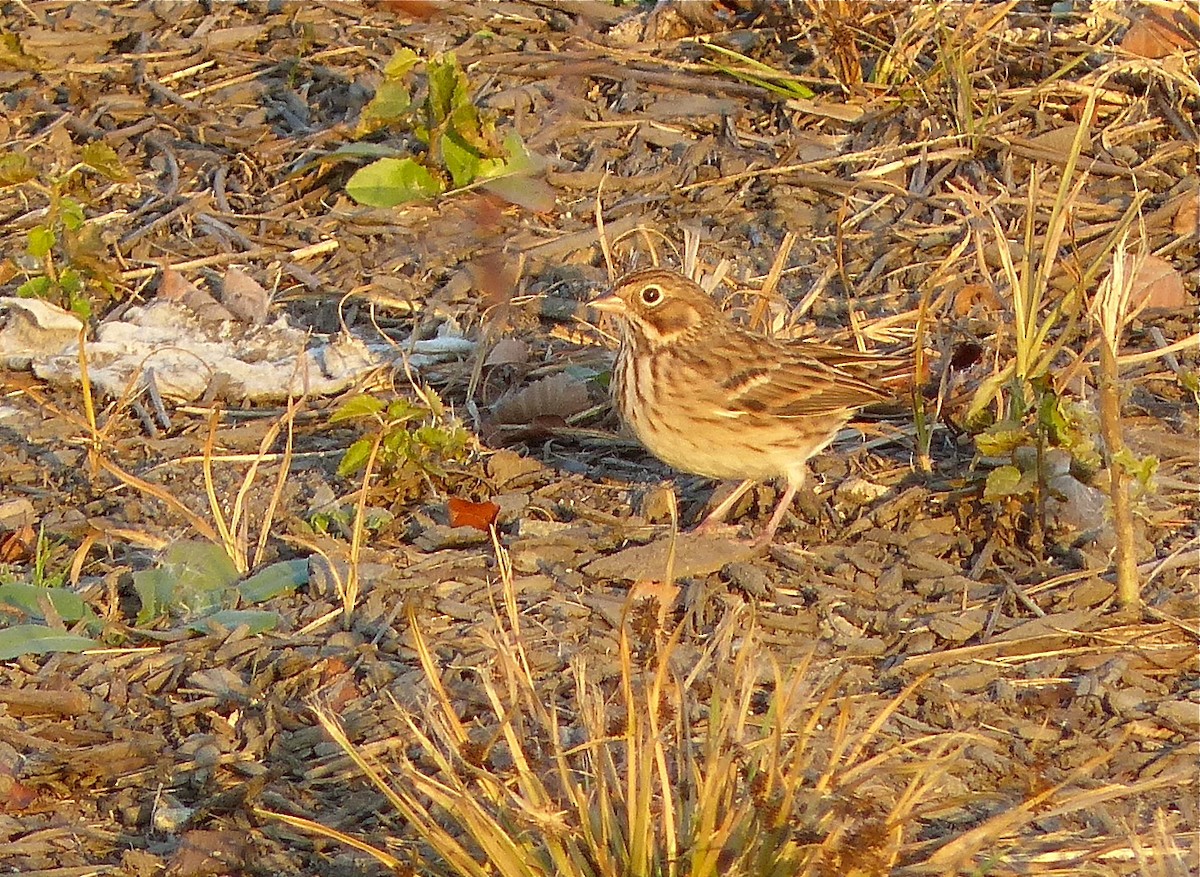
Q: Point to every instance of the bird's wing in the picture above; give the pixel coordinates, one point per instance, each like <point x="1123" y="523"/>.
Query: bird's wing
<point x="791" y="383"/>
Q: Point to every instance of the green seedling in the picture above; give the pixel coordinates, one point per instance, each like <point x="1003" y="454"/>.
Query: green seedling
<point x="198" y="583"/>
<point x="73" y="267"/>
<point x="411" y="442"/>
<point x="459" y="145"/>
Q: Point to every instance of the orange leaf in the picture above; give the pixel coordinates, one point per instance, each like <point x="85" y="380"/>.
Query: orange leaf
<point x="464" y="513"/>
<point x="17" y="546"/>
<point x="1157" y="284"/>
<point x="1157" y="33"/>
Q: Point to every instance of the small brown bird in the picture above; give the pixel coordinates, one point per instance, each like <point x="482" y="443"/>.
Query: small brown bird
<point x="712" y="398"/>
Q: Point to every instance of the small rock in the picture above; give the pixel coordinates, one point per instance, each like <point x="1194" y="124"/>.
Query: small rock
<point x="891" y="578"/>
<point x="511" y="505"/>
<point x="1127" y="702"/>
<point x="537" y="528"/>
<point x="855" y="492"/>
<point x="750" y="578"/>
<point x="438" y="537"/>
<point x="694" y="556"/>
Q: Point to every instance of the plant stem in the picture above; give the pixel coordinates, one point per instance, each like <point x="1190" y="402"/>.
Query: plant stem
<point x="1128" y="591"/>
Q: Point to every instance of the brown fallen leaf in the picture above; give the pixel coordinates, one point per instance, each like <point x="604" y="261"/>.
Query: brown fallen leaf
<point x="1157" y="284"/>
<point x="973" y="295"/>
<point x="1158" y="31"/>
<point x="1187" y="218"/>
<point x="203" y="853"/>
<point x="558" y="395"/>
<point x="244" y="297"/>
<point x="17" y="546"/>
<point x="464" y="513"/>
<point x="507" y="351"/>
<point x="173" y="286"/>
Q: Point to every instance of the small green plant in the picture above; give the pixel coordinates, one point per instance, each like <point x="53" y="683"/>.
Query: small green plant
<point x="73" y="265"/>
<point x="462" y="147"/>
<point x="197" y="582"/>
<point x="35" y="607"/>
<point x="408" y="442"/>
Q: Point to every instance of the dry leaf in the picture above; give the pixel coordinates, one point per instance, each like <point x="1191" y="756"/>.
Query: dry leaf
<point x="508" y="351"/>
<point x="1187" y="218"/>
<point x="204" y="852"/>
<point x="464" y="513"/>
<point x="175" y="287"/>
<point x="559" y="395"/>
<point x="1059" y="140"/>
<point x="17" y="546"/>
<point x="338" y="687"/>
<point x="1157" y="32"/>
<point x="1157" y="284"/>
<point x="973" y="294"/>
<point x="245" y="297"/>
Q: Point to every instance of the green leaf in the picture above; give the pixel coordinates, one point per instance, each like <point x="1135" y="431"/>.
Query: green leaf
<point x="36" y="639"/>
<point x="403" y="411"/>
<point x="447" y="88"/>
<point x="396" y="444"/>
<point x="35" y="287"/>
<point x="1000" y="441"/>
<point x="41" y="241"/>
<point x="390" y="181"/>
<point x="256" y="620"/>
<point x="27" y="598"/>
<point x="390" y="105"/>
<point x="460" y="159"/>
<point x="194" y="578"/>
<point x="432" y="400"/>
<point x="1002" y="483"/>
<point x="356" y="456"/>
<point x="1141" y="468"/>
<point x="71" y="212"/>
<point x="474" y="128"/>
<point x="103" y="159"/>
<point x="71" y="283"/>
<point x="357" y="407"/>
<point x="518" y="158"/>
<point x="272" y="581"/>
<point x="401" y="63"/>
<point x="15" y="168"/>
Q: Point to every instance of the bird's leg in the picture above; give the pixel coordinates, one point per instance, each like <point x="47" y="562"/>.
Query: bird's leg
<point x="785" y="503"/>
<point x="717" y="515"/>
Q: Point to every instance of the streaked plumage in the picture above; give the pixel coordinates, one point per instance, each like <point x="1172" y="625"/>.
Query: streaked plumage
<point x="712" y="398"/>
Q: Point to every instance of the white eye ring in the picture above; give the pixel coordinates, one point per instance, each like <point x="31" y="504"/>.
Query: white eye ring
<point x="651" y="295"/>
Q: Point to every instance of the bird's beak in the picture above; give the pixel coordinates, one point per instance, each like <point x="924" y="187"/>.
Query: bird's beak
<point x="608" y="302"/>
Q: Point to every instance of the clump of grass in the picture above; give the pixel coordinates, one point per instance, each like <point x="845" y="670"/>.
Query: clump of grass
<point x="683" y="764"/>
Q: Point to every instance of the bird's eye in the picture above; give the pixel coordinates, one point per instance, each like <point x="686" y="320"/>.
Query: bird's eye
<point x="651" y="295"/>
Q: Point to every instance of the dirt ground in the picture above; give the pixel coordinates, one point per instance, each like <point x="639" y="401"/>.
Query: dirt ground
<point x="865" y="209"/>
